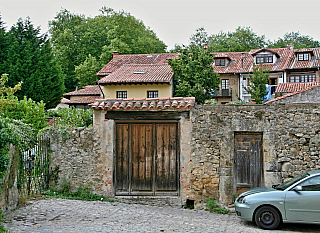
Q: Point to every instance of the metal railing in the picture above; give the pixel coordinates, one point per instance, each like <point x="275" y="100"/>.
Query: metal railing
<point x="34" y="171"/>
<point x="223" y="93"/>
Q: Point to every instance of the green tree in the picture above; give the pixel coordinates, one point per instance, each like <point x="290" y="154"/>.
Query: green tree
<point x="295" y="39"/>
<point x="75" y="36"/>
<point x="7" y="97"/>
<point x="194" y="74"/>
<point x="258" y="81"/>
<point x="3" y="45"/>
<point x="86" y="73"/>
<point x="243" y="39"/>
<point x="30" y="60"/>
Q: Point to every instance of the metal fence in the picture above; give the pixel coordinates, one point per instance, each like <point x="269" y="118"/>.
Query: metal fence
<point x="34" y="168"/>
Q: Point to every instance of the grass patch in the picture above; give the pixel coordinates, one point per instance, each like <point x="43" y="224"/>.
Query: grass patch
<point x="83" y="194"/>
<point x="213" y="207"/>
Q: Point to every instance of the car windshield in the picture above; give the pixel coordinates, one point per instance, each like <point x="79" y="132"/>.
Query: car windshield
<point x="287" y="184"/>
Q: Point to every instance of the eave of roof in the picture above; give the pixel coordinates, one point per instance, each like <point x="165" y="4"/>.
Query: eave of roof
<point x="145" y="104"/>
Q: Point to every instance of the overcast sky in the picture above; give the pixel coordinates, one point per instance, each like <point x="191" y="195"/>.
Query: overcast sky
<point x="174" y="21"/>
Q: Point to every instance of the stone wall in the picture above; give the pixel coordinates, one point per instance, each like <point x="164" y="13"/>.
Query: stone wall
<point x="78" y="155"/>
<point x="309" y="96"/>
<point x="9" y="196"/>
<point x="291" y="144"/>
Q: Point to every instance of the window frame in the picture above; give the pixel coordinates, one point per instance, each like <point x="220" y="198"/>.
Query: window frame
<point x="264" y="58"/>
<point x="124" y="94"/>
<point x="302" y="78"/>
<point x="225" y="84"/>
<point x="220" y="61"/>
<point x="303" y="56"/>
<point x="151" y="94"/>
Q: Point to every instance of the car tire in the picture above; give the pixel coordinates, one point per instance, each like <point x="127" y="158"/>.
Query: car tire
<point x="267" y="217"/>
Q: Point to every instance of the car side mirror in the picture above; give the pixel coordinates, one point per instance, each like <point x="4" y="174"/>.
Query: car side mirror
<point x="298" y="188"/>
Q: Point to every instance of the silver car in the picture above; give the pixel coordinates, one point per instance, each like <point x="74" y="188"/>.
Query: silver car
<point x="295" y="201"/>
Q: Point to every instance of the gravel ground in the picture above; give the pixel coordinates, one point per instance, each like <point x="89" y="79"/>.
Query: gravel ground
<point x="59" y="215"/>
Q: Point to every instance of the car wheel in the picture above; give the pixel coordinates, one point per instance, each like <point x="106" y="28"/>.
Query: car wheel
<point x="267" y="217"/>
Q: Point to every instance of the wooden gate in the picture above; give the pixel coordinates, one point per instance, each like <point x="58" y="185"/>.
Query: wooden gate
<point x="248" y="161"/>
<point x="146" y="160"/>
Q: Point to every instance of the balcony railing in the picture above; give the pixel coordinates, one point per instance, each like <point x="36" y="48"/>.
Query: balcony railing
<point x="223" y="93"/>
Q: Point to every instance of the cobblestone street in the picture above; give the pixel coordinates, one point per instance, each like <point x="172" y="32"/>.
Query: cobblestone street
<point x="59" y="215"/>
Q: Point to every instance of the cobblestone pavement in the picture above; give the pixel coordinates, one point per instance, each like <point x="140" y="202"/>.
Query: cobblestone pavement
<point x="58" y="215"/>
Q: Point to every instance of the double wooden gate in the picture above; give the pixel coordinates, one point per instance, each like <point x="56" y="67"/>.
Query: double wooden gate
<point x="147" y="159"/>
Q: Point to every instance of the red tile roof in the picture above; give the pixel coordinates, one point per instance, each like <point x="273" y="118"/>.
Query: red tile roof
<point x="92" y="90"/>
<point x="84" y="100"/>
<point x="282" y="62"/>
<point x="294" y="87"/>
<point x="155" y="104"/>
<point x="292" y="94"/>
<point x="128" y="73"/>
<point x="148" y="59"/>
<point x="312" y="63"/>
<point x="64" y="101"/>
<point x="238" y="62"/>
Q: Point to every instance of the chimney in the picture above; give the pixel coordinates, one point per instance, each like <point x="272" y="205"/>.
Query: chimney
<point x="115" y="55"/>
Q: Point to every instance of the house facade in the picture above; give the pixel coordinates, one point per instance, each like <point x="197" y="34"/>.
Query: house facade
<point x="137" y="76"/>
<point x="150" y="76"/>
<point x="285" y="65"/>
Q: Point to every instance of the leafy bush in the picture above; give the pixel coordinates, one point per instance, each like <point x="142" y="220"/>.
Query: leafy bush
<point x="72" y="117"/>
<point x="211" y="102"/>
<point x="29" y="112"/>
<point x="212" y="206"/>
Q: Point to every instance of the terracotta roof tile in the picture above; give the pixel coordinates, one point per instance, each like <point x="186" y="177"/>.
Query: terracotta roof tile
<point x="312" y="63"/>
<point x="87" y="90"/>
<point x="285" y="55"/>
<point x="292" y="94"/>
<point x="294" y="87"/>
<point x="148" y="59"/>
<point x="175" y="103"/>
<point x="238" y="62"/>
<point x="128" y="73"/>
<point x="64" y="101"/>
<point x="84" y="100"/>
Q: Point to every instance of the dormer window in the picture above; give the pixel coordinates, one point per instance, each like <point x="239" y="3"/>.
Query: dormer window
<point x="303" y="56"/>
<point x="264" y="58"/>
<point x="220" y="61"/>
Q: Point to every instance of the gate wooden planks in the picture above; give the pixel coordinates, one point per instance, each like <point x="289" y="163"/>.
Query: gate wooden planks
<point x="248" y="160"/>
<point x="146" y="159"/>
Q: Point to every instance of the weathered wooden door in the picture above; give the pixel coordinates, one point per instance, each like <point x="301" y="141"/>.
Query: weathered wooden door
<point x="248" y="161"/>
<point x="146" y="160"/>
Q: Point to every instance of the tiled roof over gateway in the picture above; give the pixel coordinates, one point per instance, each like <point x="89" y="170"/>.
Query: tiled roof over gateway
<point x="156" y="104"/>
<point x="129" y="73"/>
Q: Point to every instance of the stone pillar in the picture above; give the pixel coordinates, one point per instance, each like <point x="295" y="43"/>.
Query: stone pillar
<point x="185" y="159"/>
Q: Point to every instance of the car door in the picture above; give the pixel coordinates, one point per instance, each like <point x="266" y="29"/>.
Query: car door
<point x="304" y="205"/>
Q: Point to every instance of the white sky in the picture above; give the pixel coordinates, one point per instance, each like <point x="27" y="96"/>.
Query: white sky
<point x="174" y="21"/>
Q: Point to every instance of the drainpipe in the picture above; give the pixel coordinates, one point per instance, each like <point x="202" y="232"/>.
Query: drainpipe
<point x="240" y="86"/>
